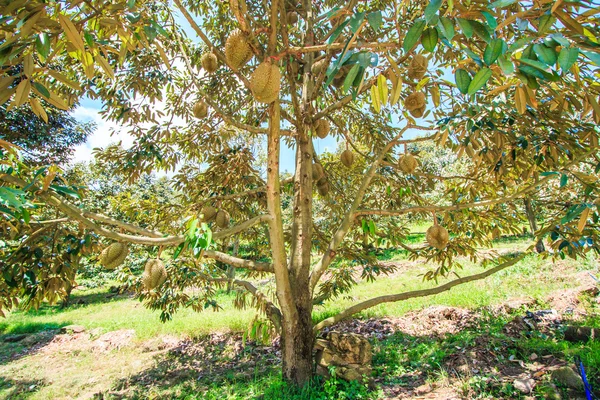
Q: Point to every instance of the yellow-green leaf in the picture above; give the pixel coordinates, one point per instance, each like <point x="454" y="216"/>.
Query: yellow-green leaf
<point x="520" y="100"/>
<point x="37" y="109"/>
<point x="422" y="83"/>
<point x="382" y="87"/>
<point x="375" y="99"/>
<point x="72" y="33"/>
<point x="583" y="219"/>
<point x="28" y="65"/>
<point x="105" y="66"/>
<point x="22" y="93"/>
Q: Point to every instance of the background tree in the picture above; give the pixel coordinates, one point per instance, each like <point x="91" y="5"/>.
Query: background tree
<point x="43" y="143"/>
<point x="509" y="85"/>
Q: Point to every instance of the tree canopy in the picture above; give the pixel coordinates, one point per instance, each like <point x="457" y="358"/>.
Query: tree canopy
<point x="509" y="87"/>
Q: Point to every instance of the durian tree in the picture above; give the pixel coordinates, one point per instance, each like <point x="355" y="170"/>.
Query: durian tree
<point x="510" y="87"/>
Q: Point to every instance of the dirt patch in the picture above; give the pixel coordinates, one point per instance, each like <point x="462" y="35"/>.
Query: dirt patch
<point x="568" y="301"/>
<point x="430" y="321"/>
<point x="114" y="340"/>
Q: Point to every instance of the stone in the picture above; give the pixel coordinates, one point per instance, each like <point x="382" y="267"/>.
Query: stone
<point x="72" y="329"/>
<point x="524" y="385"/>
<point x="350" y="354"/>
<point x="533" y="357"/>
<point x="567" y="377"/>
<point x="423" y="389"/>
<point x="581" y="333"/>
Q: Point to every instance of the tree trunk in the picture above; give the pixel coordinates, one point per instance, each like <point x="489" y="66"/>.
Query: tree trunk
<point x="529" y="211"/>
<point x="297" y="342"/>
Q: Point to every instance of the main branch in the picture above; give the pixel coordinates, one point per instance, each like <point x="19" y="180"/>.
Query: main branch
<point x="412" y="294"/>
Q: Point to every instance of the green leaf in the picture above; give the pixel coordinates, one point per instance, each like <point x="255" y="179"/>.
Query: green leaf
<point x="481" y="31"/>
<point x="465" y="27"/>
<point x="506" y="65"/>
<point x="66" y="191"/>
<point x="429" y="39"/>
<point x="573" y="213"/>
<point x="479" y="80"/>
<point x="349" y="81"/>
<point x="37" y="174"/>
<point x="42" y="45"/>
<point x="593" y="56"/>
<point x="336" y="33"/>
<point x="546" y="22"/>
<point x="10" y="197"/>
<point x="446" y="27"/>
<point x="545" y="54"/>
<point x="372" y="227"/>
<point x="178" y="251"/>
<point x="491" y="21"/>
<point x="502" y="3"/>
<point x="535" y="64"/>
<point x="493" y="50"/>
<point x="463" y="80"/>
<point x="375" y="20"/>
<point x="42" y="89"/>
<point x="356" y="20"/>
<point x="564" y="178"/>
<point x="431" y="9"/>
<point x="413" y="35"/>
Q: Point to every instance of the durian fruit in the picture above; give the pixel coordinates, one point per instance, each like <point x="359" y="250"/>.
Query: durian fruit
<point x="415" y="104"/>
<point x="408" y="163"/>
<point x="437" y="236"/>
<point x="496" y="233"/>
<point x="222" y="219"/>
<point x="418" y="67"/>
<point x="292" y="17"/>
<point x="155" y="274"/>
<point x="322" y="128"/>
<point x="323" y="186"/>
<point x="114" y="255"/>
<point x="237" y="50"/>
<point x="209" y="62"/>
<point x="200" y="109"/>
<point x="340" y="77"/>
<point x="265" y="82"/>
<point x="208" y="213"/>
<point x="347" y="158"/>
<point x="317" y="171"/>
<point x="319" y="67"/>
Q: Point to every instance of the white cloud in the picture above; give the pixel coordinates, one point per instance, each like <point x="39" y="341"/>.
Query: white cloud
<point x="101" y="137"/>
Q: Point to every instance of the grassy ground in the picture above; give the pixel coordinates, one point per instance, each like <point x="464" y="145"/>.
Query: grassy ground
<point x="159" y="361"/>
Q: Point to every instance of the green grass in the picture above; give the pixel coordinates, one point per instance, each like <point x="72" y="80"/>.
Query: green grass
<point x="399" y="360"/>
<point x="127" y="313"/>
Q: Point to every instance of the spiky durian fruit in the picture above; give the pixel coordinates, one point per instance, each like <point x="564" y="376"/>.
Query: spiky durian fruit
<point x="200" y="109"/>
<point x="265" y="82"/>
<point x="437" y="236"/>
<point x="408" y="163"/>
<point x="114" y="255"/>
<point x="155" y="274"/>
<point x="347" y="158"/>
<point x="209" y="62"/>
<point x="322" y="128"/>
<point x="237" y="50"/>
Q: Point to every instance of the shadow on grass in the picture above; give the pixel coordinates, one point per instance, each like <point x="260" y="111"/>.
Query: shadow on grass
<point x="17" y="389"/>
<point x="194" y="368"/>
<point x="23" y="339"/>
